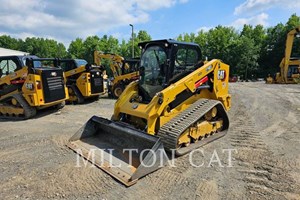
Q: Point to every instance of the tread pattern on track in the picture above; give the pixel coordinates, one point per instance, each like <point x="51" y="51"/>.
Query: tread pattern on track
<point x="28" y="110"/>
<point x="171" y="131"/>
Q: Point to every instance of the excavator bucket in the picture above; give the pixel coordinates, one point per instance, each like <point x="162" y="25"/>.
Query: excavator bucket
<point x="123" y="152"/>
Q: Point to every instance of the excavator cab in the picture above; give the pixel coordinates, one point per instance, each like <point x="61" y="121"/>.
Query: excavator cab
<point x="120" y="71"/>
<point x="132" y="64"/>
<point x="289" y="66"/>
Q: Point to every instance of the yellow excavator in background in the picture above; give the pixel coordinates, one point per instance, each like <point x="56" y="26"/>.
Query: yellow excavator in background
<point x="83" y="80"/>
<point x="123" y="71"/>
<point x="27" y="85"/>
<point x="180" y="103"/>
<point x="289" y="67"/>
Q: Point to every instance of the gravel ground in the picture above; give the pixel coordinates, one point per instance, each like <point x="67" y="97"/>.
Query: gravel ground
<point x="264" y="133"/>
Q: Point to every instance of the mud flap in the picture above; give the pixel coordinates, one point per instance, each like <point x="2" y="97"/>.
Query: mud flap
<point x="123" y="152"/>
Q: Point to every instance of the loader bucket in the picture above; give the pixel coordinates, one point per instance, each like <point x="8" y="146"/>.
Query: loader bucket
<point x="123" y="152"/>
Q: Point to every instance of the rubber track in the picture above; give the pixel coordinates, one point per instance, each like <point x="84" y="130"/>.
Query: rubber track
<point x="28" y="110"/>
<point x="170" y="132"/>
<point x="80" y="98"/>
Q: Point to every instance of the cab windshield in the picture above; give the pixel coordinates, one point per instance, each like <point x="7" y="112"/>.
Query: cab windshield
<point x="36" y="63"/>
<point x="80" y="62"/>
<point x="293" y="69"/>
<point x="160" y="66"/>
<point x="152" y="70"/>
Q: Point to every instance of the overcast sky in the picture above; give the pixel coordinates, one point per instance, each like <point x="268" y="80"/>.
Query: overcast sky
<point x="65" y="20"/>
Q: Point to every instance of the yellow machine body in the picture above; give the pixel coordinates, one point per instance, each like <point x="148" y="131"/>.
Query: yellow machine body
<point x="180" y="103"/>
<point x="28" y="89"/>
<point x="155" y="113"/>
<point x="289" y="67"/>
<point x="83" y="81"/>
<point x="122" y="74"/>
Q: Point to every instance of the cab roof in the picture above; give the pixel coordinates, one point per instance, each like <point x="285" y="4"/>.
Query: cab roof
<point x="19" y="57"/>
<point x="166" y="41"/>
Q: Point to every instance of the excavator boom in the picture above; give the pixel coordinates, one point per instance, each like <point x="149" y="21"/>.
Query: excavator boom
<point x="289" y="67"/>
<point x="122" y="72"/>
<point x="288" y="52"/>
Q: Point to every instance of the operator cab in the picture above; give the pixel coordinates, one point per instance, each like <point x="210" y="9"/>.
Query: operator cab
<point x="69" y="64"/>
<point x="293" y="68"/>
<point x="11" y="64"/>
<point x="164" y="62"/>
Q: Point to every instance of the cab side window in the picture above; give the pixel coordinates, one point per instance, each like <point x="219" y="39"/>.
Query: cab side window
<point x="67" y="66"/>
<point x="186" y="57"/>
<point x="7" y="66"/>
<point x="63" y="65"/>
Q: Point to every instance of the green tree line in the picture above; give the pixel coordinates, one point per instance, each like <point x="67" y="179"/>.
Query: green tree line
<point x="254" y="51"/>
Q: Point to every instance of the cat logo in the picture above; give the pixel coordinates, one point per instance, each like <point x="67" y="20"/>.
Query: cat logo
<point x="221" y="74"/>
<point x="53" y="74"/>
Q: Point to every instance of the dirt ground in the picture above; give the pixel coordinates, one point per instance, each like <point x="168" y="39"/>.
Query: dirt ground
<point x="264" y="131"/>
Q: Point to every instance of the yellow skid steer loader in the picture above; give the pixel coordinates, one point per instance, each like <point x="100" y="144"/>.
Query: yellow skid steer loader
<point x="28" y="84"/>
<point x="179" y="104"/>
<point x="83" y="80"/>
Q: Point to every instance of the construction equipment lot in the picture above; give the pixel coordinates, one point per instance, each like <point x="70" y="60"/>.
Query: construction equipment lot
<point x="264" y="130"/>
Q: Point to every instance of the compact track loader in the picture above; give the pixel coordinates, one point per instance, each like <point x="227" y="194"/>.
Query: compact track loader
<point x="27" y="85"/>
<point x="179" y="104"/>
<point x="83" y="80"/>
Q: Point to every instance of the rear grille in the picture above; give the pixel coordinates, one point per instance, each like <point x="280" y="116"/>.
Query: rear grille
<point x="96" y="82"/>
<point x="53" y="85"/>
